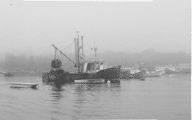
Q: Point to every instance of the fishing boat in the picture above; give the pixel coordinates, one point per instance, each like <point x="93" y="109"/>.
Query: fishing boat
<point x="153" y="74"/>
<point x="89" y="71"/>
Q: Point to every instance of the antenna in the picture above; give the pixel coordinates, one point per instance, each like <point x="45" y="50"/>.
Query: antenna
<point x="95" y="49"/>
<point x="82" y="48"/>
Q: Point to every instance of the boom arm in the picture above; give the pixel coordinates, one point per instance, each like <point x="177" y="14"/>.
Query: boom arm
<point x="63" y="54"/>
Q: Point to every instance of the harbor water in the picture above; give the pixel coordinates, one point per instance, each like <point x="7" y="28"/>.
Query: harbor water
<point x="164" y="98"/>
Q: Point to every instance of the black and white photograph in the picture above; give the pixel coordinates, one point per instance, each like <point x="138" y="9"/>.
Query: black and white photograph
<point x="95" y="60"/>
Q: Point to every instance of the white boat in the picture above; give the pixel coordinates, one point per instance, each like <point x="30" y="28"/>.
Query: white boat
<point x="23" y="85"/>
<point x="90" y="81"/>
<point x="153" y="74"/>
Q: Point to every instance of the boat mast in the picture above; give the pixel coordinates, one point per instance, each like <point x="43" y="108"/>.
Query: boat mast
<point x="95" y="50"/>
<point x="75" y="40"/>
<point x="79" y="53"/>
<point x="78" y="63"/>
<point x="82" y="48"/>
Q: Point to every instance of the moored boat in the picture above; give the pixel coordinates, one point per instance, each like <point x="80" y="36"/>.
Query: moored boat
<point x="153" y="74"/>
<point x="132" y="75"/>
<point x="60" y="76"/>
<point x="138" y="75"/>
<point x="23" y="85"/>
<point x="85" y="70"/>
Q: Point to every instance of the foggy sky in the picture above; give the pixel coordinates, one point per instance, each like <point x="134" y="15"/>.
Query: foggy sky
<point x="32" y="27"/>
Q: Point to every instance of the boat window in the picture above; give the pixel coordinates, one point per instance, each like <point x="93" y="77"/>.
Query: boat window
<point x="97" y="66"/>
<point x="88" y="67"/>
<point x="92" y="66"/>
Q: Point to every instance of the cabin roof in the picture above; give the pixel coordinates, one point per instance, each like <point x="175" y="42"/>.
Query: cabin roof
<point x="95" y="61"/>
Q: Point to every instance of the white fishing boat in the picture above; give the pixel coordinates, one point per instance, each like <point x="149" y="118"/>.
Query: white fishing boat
<point x="153" y="74"/>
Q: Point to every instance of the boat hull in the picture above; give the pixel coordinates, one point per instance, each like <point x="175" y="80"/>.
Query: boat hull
<point x="151" y="75"/>
<point x="138" y="75"/>
<point x="112" y="74"/>
<point x="89" y="81"/>
<point x="23" y="85"/>
<point x="109" y="73"/>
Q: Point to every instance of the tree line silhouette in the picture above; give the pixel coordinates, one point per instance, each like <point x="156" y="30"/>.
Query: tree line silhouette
<point x="37" y="64"/>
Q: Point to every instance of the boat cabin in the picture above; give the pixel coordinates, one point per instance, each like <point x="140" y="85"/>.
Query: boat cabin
<point x="94" y="66"/>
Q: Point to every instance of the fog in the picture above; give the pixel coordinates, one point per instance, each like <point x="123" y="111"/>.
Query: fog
<point x="123" y="32"/>
<point x="31" y="27"/>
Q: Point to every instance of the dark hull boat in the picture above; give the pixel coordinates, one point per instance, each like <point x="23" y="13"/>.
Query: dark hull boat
<point x="128" y="75"/>
<point x="91" y="71"/>
<point x="59" y="76"/>
<point x="138" y="75"/>
<point x="8" y="75"/>
<point x="125" y="75"/>
<point x="109" y="73"/>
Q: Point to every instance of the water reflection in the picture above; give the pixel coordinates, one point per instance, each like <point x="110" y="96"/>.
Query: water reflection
<point x="79" y="88"/>
<point x="90" y="97"/>
<point x="161" y="98"/>
<point x="56" y="101"/>
<point x="57" y="93"/>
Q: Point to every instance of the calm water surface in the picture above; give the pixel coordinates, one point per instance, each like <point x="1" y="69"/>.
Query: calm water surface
<point x="165" y="98"/>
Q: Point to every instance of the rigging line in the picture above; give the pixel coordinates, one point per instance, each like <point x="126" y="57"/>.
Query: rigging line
<point x="67" y="46"/>
<point x="63" y="54"/>
<point x="65" y="41"/>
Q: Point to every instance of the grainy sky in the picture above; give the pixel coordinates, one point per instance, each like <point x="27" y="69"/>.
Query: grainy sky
<point x="32" y="27"/>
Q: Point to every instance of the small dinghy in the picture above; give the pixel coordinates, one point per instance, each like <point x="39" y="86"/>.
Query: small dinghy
<point x="23" y="85"/>
<point x="91" y="81"/>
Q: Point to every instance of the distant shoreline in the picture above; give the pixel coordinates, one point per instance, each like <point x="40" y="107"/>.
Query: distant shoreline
<point x="27" y="73"/>
<point x="40" y="73"/>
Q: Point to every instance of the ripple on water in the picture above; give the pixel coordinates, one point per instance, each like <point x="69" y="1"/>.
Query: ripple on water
<point x="162" y="98"/>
